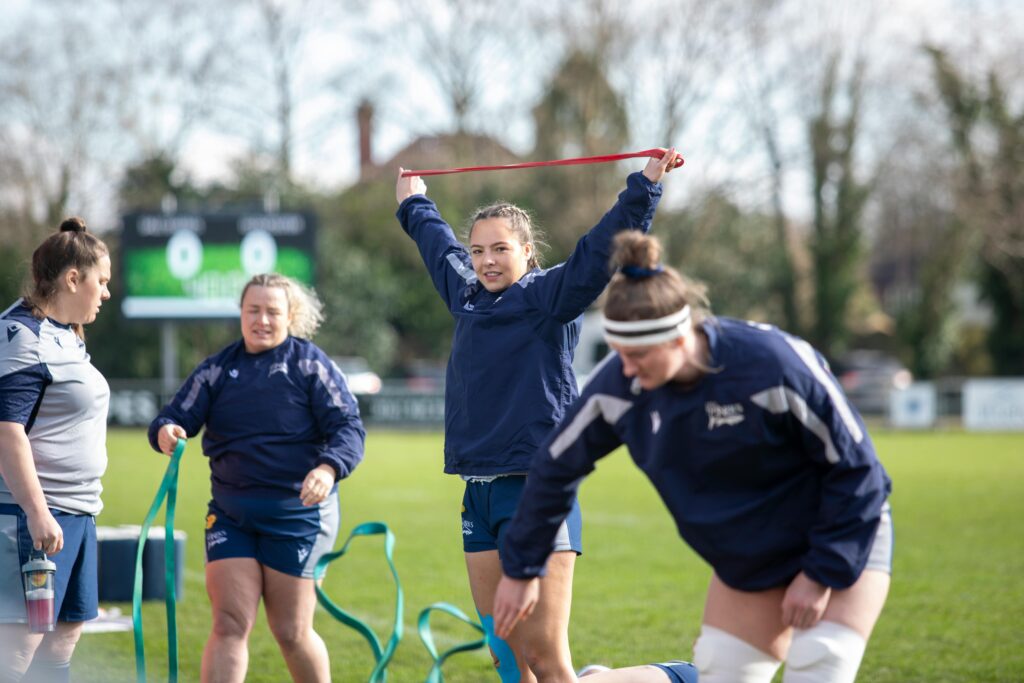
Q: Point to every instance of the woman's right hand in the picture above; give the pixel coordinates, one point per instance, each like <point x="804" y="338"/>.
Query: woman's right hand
<point x="408" y="186"/>
<point x="45" y="532"/>
<point x="167" y="438"/>
<point x="514" y="600"/>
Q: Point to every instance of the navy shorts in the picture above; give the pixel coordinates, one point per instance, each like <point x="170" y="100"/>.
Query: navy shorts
<point x="487" y="506"/>
<point x="279" y="533"/>
<point x="75" y="584"/>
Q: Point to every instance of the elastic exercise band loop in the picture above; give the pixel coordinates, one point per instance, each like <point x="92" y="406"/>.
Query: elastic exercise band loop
<point x="508" y="670"/>
<point x="423" y="625"/>
<point x="168" y="488"/>
<point x="656" y="153"/>
<point x="382" y="655"/>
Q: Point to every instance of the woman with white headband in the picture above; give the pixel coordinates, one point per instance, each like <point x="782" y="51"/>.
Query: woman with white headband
<point x="764" y="465"/>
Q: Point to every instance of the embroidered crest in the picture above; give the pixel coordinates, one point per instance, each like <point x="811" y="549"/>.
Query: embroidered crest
<point x="723" y="415"/>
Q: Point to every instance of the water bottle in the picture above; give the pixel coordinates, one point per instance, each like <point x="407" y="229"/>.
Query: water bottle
<point x="37" y="575"/>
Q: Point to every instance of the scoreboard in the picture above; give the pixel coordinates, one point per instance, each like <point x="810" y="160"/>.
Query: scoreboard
<point x="176" y="266"/>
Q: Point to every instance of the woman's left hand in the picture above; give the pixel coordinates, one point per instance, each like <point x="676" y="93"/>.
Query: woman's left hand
<point x="317" y="484"/>
<point x="657" y="168"/>
<point x="805" y="602"/>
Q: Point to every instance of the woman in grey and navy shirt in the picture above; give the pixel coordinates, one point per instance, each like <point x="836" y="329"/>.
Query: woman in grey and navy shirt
<point x="53" y="431"/>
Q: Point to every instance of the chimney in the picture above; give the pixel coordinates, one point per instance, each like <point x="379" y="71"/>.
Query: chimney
<point x="364" y="116"/>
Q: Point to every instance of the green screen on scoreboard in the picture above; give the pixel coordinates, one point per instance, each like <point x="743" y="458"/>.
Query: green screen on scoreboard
<point x="194" y="266"/>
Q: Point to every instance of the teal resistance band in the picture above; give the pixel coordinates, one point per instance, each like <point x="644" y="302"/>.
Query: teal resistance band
<point x="508" y="671"/>
<point x="168" y="488"/>
<point x="381" y="655"/>
<point x="423" y="625"/>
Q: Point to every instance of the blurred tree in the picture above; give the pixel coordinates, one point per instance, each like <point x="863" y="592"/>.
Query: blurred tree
<point x="580" y="114"/>
<point x="920" y="251"/>
<point x="767" y="72"/>
<point x="839" y="198"/>
<point x="673" y="69"/>
<point x="54" y="105"/>
<point x="988" y="141"/>
<point x="276" y="89"/>
<point x="717" y="243"/>
<point x="464" y="46"/>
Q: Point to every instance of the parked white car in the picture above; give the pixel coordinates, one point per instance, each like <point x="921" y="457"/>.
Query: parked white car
<point x="360" y="378"/>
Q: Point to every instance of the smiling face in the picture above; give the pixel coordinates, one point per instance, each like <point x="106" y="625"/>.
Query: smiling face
<point x="499" y="258"/>
<point x="265" y="318"/>
<point x="89" y="291"/>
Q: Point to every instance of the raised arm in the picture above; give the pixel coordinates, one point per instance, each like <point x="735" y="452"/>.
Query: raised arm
<point x="567" y="291"/>
<point x="447" y="262"/>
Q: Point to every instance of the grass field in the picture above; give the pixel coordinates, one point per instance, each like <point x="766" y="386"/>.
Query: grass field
<point x="955" y="613"/>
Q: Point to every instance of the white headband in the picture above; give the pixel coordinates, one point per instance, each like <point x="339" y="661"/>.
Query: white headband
<point x="647" y="332"/>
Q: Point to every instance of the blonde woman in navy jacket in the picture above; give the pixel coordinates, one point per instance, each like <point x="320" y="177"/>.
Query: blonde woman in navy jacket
<point x="280" y="429"/>
<point x="510" y="380"/>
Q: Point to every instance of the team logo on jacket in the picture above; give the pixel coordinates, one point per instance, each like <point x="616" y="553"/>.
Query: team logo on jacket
<point x="723" y="415"/>
<point x="233" y="372"/>
<point x="277" y="367"/>
<point x="11" y="331"/>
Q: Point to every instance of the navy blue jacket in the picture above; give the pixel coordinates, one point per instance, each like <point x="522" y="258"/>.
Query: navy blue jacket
<point x="764" y="465"/>
<point x="509" y="378"/>
<point x="270" y="417"/>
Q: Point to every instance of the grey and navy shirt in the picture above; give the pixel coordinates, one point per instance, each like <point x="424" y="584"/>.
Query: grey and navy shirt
<point x="509" y="378"/>
<point x="763" y="464"/>
<point x="48" y="385"/>
<point x="270" y="417"/>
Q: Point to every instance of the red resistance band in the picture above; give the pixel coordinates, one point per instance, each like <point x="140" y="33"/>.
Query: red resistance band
<point x="656" y="153"/>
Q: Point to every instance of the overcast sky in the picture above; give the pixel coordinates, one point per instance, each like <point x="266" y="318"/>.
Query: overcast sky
<point x="409" y="104"/>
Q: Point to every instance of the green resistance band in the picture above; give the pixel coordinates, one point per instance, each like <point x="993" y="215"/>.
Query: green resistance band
<point x="382" y="655"/>
<point x="423" y="625"/>
<point x="168" y="488"/>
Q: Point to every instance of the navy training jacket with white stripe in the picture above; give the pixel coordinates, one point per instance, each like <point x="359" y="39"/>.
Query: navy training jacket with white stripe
<point x="270" y="417"/>
<point x="509" y="378"/>
<point x="765" y="467"/>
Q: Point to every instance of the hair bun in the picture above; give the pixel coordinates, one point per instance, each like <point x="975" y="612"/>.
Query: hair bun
<point x="73" y="224"/>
